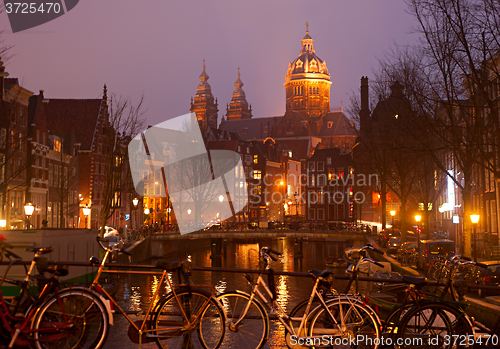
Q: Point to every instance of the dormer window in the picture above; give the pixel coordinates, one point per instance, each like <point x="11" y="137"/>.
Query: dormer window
<point x="330" y="124"/>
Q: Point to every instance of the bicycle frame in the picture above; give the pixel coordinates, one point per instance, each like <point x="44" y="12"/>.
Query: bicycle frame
<point x="142" y="330"/>
<point x="283" y="317"/>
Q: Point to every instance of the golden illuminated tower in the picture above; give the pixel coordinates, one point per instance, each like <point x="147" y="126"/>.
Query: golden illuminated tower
<point x="203" y="103"/>
<point x="238" y="108"/>
<point x="307" y="83"/>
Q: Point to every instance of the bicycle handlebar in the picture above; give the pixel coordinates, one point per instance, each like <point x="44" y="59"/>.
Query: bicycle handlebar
<point x="266" y="251"/>
<point x="100" y="240"/>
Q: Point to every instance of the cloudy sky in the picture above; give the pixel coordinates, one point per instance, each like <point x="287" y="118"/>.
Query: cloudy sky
<point x="156" y="47"/>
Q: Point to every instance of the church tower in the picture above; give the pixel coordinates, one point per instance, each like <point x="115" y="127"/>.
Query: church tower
<point x="307" y="83"/>
<point x="203" y="103"/>
<point x="238" y="107"/>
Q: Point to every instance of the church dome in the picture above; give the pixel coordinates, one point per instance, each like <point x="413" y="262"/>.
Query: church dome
<point x="307" y="65"/>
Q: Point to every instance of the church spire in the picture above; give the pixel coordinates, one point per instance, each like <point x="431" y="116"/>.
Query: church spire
<point x="238" y="107"/>
<point x="204" y="105"/>
<point x="307" y="42"/>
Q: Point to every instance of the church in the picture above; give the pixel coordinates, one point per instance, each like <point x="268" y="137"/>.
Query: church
<point x="308" y="122"/>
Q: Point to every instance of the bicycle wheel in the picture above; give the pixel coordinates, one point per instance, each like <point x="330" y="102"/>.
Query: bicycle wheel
<point x="360" y="329"/>
<point x="71" y="319"/>
<point x="247" y="323"/>
<point x="206" y="320"/>
<point x="432" y="326"/>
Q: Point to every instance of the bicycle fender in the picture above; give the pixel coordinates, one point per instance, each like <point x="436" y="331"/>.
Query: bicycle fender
<point x="106" y="302"/>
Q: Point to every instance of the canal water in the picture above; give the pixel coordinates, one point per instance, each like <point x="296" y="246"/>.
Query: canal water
<point x="298" y="255"/>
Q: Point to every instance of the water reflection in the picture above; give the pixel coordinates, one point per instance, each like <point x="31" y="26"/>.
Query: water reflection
<point x="297" y="255"/>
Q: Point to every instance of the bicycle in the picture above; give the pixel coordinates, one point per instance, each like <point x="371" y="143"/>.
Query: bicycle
<point x="425" y="315"/>
<point x="53" y="318"/>
<point x="188" y="316"/>
<point x="332" y="316"/>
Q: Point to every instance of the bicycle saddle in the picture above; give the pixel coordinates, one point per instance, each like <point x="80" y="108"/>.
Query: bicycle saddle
<point x="168" y="266"/>
<point x="41" y="250"/>
<point x="417" y="281"/>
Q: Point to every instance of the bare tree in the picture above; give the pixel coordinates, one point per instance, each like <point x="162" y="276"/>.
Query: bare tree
<point x="126" y="120"/>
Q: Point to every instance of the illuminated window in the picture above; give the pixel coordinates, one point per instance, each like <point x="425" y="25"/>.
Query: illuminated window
<point x="331" y="175"/>
<point x="255" y="159"/>
<point x="57" y="145"/>
<point x="257" y="190"/>
<point x="257" y="174"/>
<point x="330" y="124"/>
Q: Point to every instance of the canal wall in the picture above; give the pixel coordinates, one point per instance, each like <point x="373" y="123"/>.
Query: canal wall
<point x="70" y="245"/>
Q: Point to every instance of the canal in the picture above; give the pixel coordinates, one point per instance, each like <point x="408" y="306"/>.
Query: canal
<point x="298" y="255"/>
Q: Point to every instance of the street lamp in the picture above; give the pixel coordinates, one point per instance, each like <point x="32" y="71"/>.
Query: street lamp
<point x="296" y="196"/>
<point x="393" y="213"/>
<point x="189" y="211"/>
<point x="221" y="198"/>
<point x="474" y="219"/>
<point x="418" y="218"/>
<point x="86" y="212"/>
<point x="135" y="202"/>
<point x="28" y="211"/>
<point x="3" y="223"/>
<point x="146" y="210"/>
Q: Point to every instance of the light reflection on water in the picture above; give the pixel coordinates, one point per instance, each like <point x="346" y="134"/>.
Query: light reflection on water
<point x="297" y="255"/>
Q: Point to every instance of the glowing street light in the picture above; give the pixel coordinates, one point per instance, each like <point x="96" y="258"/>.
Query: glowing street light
<point x="418" y="218"/>
<point x="3" y="223"/>
<point x="393" y="213"/>
<point x="28" y="211"/>
<point x="189" y="211"/>
<point x="146" y="210"/>
<point x="135" y="202"/>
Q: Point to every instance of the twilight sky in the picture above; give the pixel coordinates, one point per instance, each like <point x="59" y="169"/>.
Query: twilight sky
<point x="157" y="47"/>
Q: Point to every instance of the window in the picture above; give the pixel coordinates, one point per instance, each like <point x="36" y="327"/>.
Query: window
<point x="3" y="138"/>
<point x="312" y="214"/>
<point x="311" y="166"/>
<point x="321" y="166"/>
<point x="330" y="124"/>
<point x="255" y="159"/>
<point x="2" y="168"/>
<point x="57" y="144"/>
<point x="257" y="190"/>
<point x="13" y="114"/>
<point x="321" y="214"/>
<point x="257" y="174"/>
<point x="321" y="180"/>
<point x="265" y="129"/>
<point x="20" y="141"/>
<point x="21" y="116"/>
<point x="51" y="170"/>
<point x="19" y="168"/>
<point x="340" y="212"/>
<point x="328" y="161"/>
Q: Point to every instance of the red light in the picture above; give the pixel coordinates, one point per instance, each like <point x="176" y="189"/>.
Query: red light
<point x="425" y="253"/>
<point x="487" y="278"/>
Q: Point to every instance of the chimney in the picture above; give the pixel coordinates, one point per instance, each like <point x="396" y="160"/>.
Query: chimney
<point x="364" y="112"/>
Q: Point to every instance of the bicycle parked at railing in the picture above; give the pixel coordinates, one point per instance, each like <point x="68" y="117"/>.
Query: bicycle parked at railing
<point x="424" y="316"/>
<point x="51" y="318"/>
<point x="189" y="316"/>
<point x="336" y="317"/>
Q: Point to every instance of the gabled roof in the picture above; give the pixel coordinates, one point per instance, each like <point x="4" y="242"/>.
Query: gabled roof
<point x="301" y="148"/>
<point x="250" y="129"/>
<point x="81" y="114"/>
<point x="340" y="126"/>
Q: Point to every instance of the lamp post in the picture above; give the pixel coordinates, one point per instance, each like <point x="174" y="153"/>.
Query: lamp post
<point x="418" y="218"/>
<point x="135" y="201"/>
<point x="393" y="213"/>
<point x="296" y="196"/>
<point x="282" y="198"/>
<point x="474" y="219"/>
<point x="221" y="198"/>
<point x="168" y="217"/>
<point x="28" y="211"/>
<point x="86" y="212"/>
